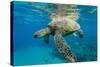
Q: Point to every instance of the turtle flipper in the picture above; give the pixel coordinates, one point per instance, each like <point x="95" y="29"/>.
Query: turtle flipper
<point x="63" y="47"/>
<point x="80" y="33"/>
<point x="41" y="32"/>
<point x="46" y="38"/>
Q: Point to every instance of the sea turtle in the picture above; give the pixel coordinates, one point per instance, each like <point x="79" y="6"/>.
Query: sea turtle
<point x="59" y="27"/>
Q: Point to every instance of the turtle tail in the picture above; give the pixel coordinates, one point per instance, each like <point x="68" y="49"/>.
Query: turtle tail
<point x="63" y="47"/>
<point x="41" y="32"/>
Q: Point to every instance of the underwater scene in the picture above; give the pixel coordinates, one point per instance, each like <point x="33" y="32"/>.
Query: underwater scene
<point x="50" y="33"/>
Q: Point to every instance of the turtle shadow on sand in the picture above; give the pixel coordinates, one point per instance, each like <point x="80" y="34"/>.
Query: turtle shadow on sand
<point x="62" y="25"/>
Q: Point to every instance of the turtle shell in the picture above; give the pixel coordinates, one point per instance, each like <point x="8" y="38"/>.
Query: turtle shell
<point x="66" y="25"/>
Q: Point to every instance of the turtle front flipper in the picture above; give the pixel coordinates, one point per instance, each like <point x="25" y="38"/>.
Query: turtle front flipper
<point x="80" y="33"/>
<point x="41" y="32"/>
<point x="63" y="47"/>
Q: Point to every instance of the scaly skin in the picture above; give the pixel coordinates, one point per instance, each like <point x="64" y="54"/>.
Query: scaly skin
<point x="41" y="33"/>
<point x="63" y="47"/>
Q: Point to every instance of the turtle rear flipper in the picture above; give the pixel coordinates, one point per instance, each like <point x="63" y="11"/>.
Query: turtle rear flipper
<point x="41" y="33"/>
<point x="46" y="38"/>
<point x="63" y="47"/>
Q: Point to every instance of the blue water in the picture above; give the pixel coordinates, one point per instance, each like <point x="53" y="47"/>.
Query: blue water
<point x="30" y="51"/>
